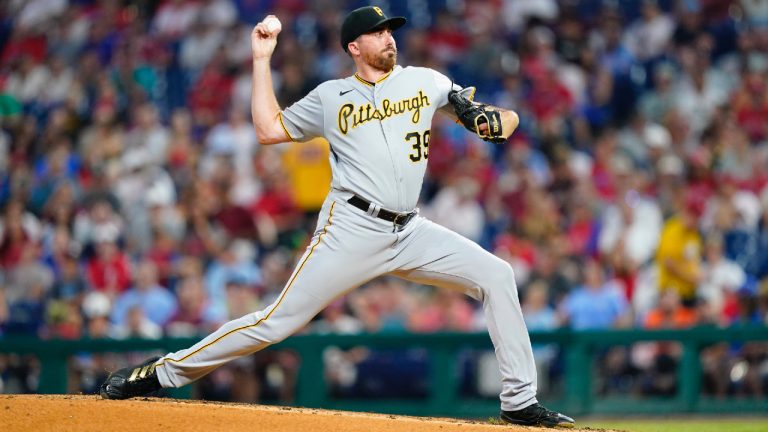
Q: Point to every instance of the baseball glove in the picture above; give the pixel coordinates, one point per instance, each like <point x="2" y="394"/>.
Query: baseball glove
<point x="473" y="114"/>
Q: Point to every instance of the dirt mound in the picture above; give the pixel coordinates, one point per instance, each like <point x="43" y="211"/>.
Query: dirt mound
<point x="91" y="413"/>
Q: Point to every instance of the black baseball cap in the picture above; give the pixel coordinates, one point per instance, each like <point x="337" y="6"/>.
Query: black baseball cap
<point x="365" y="19"/>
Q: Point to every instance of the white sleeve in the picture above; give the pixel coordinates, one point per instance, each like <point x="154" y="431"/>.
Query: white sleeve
<point x="304" y="119"/>
<point x="443" y="86"/>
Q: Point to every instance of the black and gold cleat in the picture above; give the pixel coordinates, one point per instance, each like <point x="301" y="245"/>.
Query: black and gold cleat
<point x="133" y="381"/>
<point x="537" y="415"/>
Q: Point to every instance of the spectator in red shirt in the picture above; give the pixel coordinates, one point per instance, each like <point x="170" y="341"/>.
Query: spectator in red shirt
<point x="276" y="204"/>
<point x="163" y="253"/>
<point x="108" y="270"/>
<point x="549" y="98"/>
<point x="24" y="42"/>
<point x="444" y="310"/>
<point x="209" y="96"/>
<point x="750" y="103"/>
<point x="18" y="229"/>
<point x="446" y="40"/>
<point x="195" y="313"/>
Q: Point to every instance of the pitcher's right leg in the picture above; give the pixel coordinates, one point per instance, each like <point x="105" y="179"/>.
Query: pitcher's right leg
<point x="322" y="274"/>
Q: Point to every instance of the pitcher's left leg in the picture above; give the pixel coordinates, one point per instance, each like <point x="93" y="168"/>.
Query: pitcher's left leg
<point x="434" y="255"/>
<point x="431" y="254"/>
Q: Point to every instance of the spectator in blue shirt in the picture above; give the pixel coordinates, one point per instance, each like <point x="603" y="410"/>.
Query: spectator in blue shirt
<point x="157" y="303"/>
<point x="237" y="262"/>
<point x="597" y="304"/>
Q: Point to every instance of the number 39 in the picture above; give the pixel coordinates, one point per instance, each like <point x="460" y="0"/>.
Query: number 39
<point x="420" y="146"/>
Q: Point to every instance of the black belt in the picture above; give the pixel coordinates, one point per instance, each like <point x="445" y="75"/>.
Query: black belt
<point x="397" y="218"/>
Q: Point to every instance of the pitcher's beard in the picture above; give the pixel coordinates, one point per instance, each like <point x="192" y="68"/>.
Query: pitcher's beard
<point x="384" y="61"/>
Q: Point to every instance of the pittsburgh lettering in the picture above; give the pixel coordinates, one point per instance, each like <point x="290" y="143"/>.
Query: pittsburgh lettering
<point x="351" y="116"/>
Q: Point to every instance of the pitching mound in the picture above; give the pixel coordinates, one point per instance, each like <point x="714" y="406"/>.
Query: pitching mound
<point x="90" y="413"/>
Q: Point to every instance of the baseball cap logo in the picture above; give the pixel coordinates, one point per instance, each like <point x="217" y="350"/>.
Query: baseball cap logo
<point x="378" y="10"/>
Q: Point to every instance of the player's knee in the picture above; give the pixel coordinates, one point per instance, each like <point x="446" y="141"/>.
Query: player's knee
<point x="278" y="335"/>
<point x="504" y="276"/>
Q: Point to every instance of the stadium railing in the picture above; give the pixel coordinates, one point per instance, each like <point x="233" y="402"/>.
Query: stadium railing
<point x="580" y="349"/>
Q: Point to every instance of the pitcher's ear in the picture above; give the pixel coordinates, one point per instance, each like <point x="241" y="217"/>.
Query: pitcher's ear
<point x="353" y="48"/>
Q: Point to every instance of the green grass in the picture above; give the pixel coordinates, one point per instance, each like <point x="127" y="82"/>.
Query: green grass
<point x="681" y="425"/>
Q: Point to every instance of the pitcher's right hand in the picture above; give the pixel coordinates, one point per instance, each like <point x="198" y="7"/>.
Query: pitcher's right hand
<point x="262" y="41"/>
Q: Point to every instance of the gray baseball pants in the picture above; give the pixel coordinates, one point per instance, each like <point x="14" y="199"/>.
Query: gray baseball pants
<point x="350" y="247"/>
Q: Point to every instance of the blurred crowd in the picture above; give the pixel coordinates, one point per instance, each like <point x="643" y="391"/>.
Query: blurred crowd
<point x="137" y="202"/>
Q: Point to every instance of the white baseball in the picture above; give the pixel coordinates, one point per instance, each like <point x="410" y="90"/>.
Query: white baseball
<point x="273" y="24"/>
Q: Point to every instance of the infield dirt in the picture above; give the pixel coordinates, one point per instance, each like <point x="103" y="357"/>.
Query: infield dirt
<point x="90" y="413"/>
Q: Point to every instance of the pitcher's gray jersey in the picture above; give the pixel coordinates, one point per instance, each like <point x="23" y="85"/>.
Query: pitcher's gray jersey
<point x="379" y="132"/>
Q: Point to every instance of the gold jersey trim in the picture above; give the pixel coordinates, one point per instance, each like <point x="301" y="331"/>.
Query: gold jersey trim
<point x="371" y="83"/>
<point x="282" y="123"/>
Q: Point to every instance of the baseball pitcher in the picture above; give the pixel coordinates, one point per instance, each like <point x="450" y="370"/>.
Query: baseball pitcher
<point x="378" y="125"/>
